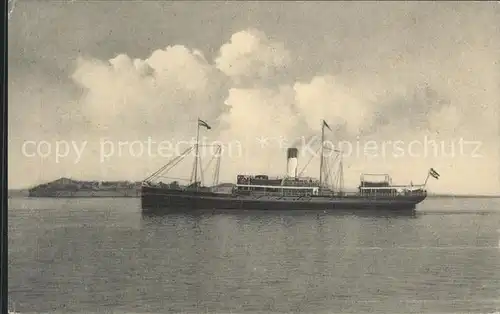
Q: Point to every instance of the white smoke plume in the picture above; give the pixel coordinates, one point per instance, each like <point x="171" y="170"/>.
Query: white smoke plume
<point x="240" y="95"/>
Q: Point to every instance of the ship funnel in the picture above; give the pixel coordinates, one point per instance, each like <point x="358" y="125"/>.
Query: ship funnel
<point x="291" y="162"/>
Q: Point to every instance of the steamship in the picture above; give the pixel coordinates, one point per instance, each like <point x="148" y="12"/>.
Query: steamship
<point x="289" y="192"/>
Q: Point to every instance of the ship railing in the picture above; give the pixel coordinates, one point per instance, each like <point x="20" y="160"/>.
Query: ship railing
<point x="329" y="193"/>
<point x="302" y="184"/>
<point x="285" y="190"/>
<point x="278" y="187"/>
<point x="274" y="178"/>
<point x="260" y="193"/>
<point x="254" y="176"/>
<point x="390" y="187"/>
<point x="393" y="190"/>
<point x="375" y="194"/>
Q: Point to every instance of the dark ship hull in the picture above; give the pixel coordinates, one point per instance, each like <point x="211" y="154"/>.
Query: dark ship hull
<point x="163" y="199"/>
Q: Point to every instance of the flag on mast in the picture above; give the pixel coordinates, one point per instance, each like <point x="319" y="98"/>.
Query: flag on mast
<point x="204" y="124"/>
<point x="326" y="124"/>
<point x="434" y="174"/>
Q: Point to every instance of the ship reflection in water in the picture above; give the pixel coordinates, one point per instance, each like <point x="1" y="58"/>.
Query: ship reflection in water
<point x="160" y="213"/>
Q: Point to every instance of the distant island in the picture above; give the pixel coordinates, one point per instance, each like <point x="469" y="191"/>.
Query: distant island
<point x="65" y="187"/>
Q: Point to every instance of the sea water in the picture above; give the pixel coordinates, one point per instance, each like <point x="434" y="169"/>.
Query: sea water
<point x="102" y="255"/>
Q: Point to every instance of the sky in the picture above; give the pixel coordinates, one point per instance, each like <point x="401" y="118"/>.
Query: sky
<point x="93" y="83"/>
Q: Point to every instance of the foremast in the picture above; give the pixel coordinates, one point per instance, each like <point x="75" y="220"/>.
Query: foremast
<point x="193" y="180"/>
<point x="197" y="160"/>
<point x="196" y="154"/>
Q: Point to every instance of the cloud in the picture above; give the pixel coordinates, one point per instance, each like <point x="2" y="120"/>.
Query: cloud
<point x="169" y="89"/>
<point x="160" y="93"/>
<point x="446" y="119"/>
<point x="327" y="98"/>
<point x="250" y="54"/>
